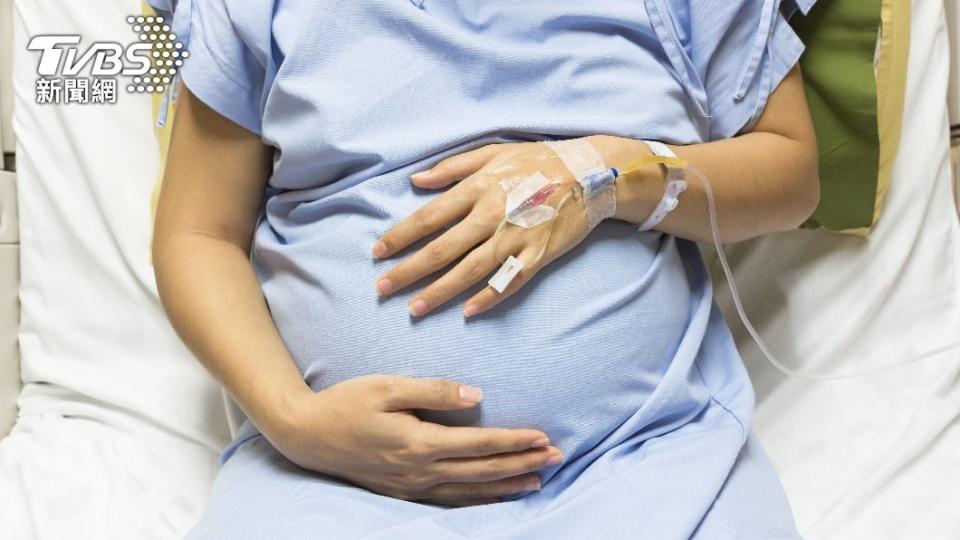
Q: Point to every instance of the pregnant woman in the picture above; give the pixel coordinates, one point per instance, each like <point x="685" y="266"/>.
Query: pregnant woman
<point x="328" y="222"/>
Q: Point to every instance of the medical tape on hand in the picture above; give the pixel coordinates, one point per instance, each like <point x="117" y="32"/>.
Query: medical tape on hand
<point x="524" y="208"/>
<point x="526" y="197"/>
<point x="509" y="270"/>
<point x="525" y="200"/>
<point x="596" y="179"/>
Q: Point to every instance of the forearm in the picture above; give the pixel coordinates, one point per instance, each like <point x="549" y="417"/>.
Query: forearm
<point x="206" y="216"/>
<point x="215" y="303"/>
<point x="762" y="182"/>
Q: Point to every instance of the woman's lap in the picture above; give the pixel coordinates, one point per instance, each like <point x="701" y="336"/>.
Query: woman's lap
<point x="671" y="481"/>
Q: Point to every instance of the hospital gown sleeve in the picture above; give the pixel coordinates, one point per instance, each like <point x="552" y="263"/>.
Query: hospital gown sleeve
<point x="741" y="56"/>
<point x="229" y="63"/>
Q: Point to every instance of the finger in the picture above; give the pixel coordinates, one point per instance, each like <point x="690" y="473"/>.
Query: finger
<point x="455" y="168"/>
<point x="426" y="220"/>
<point x="435" y="256"/>
<point x="450" y="442"/>
<point x="490" y="468"/>
<point x="489" y="297"/>
<point x="400" y="392"/>
<point x="474" y="267"/>
<point x="455" y="492"/>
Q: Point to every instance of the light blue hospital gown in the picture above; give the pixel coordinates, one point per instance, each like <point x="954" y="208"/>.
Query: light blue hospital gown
<point x="616" y="350"/>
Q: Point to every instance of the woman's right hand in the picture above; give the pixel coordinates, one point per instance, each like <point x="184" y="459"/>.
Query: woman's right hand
<point x="363" y="430"/>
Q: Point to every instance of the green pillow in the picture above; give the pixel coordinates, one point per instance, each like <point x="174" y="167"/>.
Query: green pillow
<point x="854" y="108"/>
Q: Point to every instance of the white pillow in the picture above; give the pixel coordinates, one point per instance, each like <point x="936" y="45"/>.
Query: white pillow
<point x="94" y="339"/>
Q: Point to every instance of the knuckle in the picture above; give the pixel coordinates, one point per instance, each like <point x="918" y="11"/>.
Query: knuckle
<point x="437" y="251"/>
<point x="475" y="186"/>
<point x="444" y="389"/>
<point x="483" y="216"/>
<point x="417" y="482"/>
<point x="390" y="484"/>
<point x="402" y="456"/>
<point x="519" y="444"/>
<point x="490" y="467"/>
<point x="440" y="291"/>
<point x="487" y="151"/>
<point x="423" y="217"/>
<point x="443" y="165"/>
<point x="419" y="451"/>
<point x="484" y="178"/>
<point x="406" y="485"/>
<point x="491" y="213"/>
<point x="475" y="270"/>
<point x="486" y="446"/>
<point x="387" y="386"/>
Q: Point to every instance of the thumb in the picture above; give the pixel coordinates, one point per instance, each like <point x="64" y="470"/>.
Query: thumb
<point x="436" y="394"/>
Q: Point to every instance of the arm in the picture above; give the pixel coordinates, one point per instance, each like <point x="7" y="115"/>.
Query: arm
<point x="763" y="181"/>
<point x="212" y="190"/>
<point x="361" y="430"/>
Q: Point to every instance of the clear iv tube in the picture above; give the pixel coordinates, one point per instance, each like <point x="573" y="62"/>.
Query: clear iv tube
<point x="711" y="207"/>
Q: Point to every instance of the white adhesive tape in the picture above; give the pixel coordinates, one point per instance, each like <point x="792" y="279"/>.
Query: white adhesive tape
<point x="587" y="166"/>
<point x="501" y="280"/>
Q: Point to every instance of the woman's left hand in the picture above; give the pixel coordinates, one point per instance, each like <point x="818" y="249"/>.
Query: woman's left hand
<point x="478" y="202"/>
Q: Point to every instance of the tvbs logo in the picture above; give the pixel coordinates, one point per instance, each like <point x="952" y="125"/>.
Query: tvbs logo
<point x="59" y="55"/>
<point x="150" y="64"/>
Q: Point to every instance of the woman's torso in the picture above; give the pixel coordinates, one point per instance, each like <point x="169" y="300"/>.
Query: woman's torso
<point x="367" y="93"/>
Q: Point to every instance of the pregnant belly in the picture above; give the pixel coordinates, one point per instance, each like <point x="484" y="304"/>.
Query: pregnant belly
<point x="575" y="352"/>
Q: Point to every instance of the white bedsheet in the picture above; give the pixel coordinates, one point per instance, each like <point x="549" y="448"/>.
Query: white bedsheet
<point x="76" y="478"/>
<point x="876" y="457"/>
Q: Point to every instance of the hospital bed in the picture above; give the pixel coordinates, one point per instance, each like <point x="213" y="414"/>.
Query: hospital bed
<point x="119" y="428"/>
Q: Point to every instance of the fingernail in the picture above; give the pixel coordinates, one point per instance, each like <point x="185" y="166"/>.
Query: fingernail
<point x="532" y="485"/>
<point x="379" y="249"/>
<point x="385" y="286"/>
<point x="418" y="307"/>
<point x="471" y="310"/>
<point x="542" y="441"/>
<point x="470" y="393"/>
<point x="555" y="458"/>
<point x="420" y="175"/>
